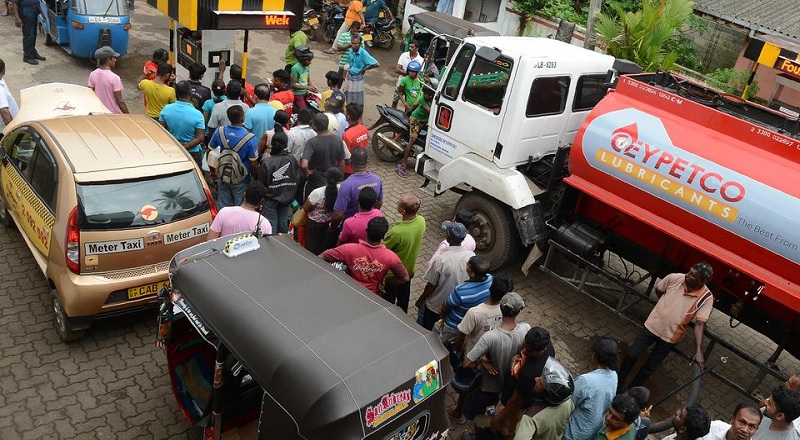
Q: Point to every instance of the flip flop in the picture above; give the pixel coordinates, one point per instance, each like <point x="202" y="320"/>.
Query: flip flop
<point x="329" y="51"/>
<point x="400" y="171"/>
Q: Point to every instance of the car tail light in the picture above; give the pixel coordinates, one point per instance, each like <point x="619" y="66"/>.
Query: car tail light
<point x="211" y="205"/>
<point x="72" y="242"/>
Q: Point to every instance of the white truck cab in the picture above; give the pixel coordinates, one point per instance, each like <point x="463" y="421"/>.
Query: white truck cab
<point x="503" y="107"/>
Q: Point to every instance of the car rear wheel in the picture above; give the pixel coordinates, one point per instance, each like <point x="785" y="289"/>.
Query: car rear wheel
<point x="5" y="217"/>
<point x="62" y="321"/>
<point x="493" y="228"/>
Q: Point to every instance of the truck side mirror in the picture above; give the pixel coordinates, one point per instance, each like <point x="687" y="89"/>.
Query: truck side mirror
<point x="488" y="53"/>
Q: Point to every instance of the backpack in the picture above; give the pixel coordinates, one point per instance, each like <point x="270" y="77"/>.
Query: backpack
<point x="230" y="169"/>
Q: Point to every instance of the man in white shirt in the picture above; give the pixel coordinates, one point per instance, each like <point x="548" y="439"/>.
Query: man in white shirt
<point x="8" y="105"/>
<point x="402" y="64"/>
<point x="745" y="421"/>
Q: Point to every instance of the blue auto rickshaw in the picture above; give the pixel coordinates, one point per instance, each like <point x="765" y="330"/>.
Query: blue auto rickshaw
<point x="81" y="26"/>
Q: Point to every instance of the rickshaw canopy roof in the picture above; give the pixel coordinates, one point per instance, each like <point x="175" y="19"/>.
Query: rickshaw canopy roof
<point x="443" y="23"/>
<point x="317" y="342"/>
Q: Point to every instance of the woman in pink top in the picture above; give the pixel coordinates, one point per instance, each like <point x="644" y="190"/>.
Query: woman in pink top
<point x="244" y="218"/>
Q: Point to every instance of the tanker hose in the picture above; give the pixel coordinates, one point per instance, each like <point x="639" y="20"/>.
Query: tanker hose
<point x="694" y="393"/>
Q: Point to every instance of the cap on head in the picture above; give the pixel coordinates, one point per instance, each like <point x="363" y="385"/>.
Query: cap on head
<point x="359" y="157"/>
<point x="511" y="304"/>
<point x="455" y="230"/>
<point x="336" y="101"/>
<point x="104" y="53"/>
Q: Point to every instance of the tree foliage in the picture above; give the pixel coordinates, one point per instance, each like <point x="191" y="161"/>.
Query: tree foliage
<point x="733" y="82"/>
<point x="644" y="36"/>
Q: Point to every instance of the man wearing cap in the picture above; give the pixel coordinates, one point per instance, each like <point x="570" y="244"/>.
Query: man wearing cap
<point x="447" y="271"/>
<point x="26" y="16"/>
<point x="347" y="201"/>
<point x="335" y="105"/>
<point x="184" y="122"/>
<point x="106" y="84"/>
<point x="493" y="355"/>
<point x="8" y="105"/>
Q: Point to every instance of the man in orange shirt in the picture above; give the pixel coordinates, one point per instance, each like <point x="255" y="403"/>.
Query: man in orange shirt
<point x="356" y="135"/>
<point x="355" y="12"/>
<point x="681" y="298"/>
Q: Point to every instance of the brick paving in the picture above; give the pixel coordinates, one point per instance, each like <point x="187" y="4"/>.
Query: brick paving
<point x="113" y="383"/>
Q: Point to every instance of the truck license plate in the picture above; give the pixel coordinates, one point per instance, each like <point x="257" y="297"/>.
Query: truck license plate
<point x="146" y="290"/>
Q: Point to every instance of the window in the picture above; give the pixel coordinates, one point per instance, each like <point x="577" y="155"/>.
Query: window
<point x="548" y="96"/>
<point x="482" y="11"/>
<point x="118" y="205"/>
<point x="488" y="82"/>
<point x="100" y="7"/>
<point x="21" y="150"/>
<point x="43" y="176"/>
<point x="590" y="90"/>
<point x="460" y="66"/>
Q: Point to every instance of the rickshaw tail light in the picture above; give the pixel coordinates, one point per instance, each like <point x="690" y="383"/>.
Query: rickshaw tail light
<point x="72" y="247"/>
<point x="127" y="27"/>
<point x="77" y="25"/>
<point x="211" y="205"/>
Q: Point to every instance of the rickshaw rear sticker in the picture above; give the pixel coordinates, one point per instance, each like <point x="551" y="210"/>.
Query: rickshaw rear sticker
<point x="413" y="430"/>
<point x="388" y="406"/>
<point x="427" y="381"/>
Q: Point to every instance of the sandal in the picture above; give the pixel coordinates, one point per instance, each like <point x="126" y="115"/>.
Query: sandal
<point x="400" y="171"/>
<point x="330" y="51"/>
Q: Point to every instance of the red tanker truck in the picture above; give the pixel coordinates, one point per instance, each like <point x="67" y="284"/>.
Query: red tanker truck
<point x="665" y="172"/>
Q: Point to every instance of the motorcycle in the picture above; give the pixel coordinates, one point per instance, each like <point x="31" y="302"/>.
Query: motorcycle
<point x="391" y="135"/>
<point x="310" y="23"/>
<point x="380" y="33"/>
<point x="332" y="19"/>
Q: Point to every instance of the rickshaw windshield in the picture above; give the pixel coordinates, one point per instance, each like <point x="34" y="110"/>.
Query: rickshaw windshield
<point x="100" y="7"/>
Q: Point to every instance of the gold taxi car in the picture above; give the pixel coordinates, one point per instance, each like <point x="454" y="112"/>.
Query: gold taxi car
<point x="103" y="201"/>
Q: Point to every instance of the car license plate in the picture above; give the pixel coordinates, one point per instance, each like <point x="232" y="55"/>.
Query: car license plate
<point x="146" y="290"/>
<point x="367" y="37"/>
<point x="313" y="21"/>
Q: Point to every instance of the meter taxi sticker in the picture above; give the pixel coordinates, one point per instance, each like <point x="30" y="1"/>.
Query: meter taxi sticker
<point x="186" y="234"/>
<point x="114" y="247"/>
<point x="149" y="212"/>
<point x="427" y="381"/>
<point x="388" y="406"/>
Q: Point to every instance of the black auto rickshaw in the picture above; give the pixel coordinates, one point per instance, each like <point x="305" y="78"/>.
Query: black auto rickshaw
<point x="264" y="340"/>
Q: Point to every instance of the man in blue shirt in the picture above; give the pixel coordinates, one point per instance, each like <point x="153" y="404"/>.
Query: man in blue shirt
<point x="594" y="391"/>
<point x="232" y="195"/>
<point x="465" y="296"/>
<point x="184" y="122"/>
<point x="373" y="10"/>
<point x="261" y="117"/>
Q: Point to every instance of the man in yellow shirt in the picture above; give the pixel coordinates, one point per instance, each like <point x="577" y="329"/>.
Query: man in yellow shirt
<point x="355" y="12"/>
<point x="157" y="92"/>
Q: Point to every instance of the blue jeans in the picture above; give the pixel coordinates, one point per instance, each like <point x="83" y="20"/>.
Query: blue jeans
<point x="230" y="195"/>
<point x="278" y="216"/>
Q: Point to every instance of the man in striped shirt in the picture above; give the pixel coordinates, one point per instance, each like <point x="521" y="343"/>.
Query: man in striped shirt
<point x="465" y="296"/>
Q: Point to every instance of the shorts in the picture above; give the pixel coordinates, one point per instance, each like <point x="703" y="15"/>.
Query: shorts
<point x="414" y="126"/>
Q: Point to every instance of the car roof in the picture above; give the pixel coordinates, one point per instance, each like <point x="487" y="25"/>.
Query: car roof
<point x="54" y="100"/>
<point x="449" y="25"/>
<point x="318" y="342"/>
<point x="528" y="47"/>
<point x="107" y="142"/>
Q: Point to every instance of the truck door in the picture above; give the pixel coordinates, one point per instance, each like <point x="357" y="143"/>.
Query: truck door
<point x="469" y="107"/>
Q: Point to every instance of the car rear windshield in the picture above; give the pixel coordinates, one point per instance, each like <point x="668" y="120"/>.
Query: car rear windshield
<point x="137" y="203"/>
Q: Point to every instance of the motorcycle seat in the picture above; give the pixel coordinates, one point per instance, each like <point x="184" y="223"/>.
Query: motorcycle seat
<point x="397" y="113"/>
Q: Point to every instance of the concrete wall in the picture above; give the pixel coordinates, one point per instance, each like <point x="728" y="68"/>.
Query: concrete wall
<point x="720" y="45"/>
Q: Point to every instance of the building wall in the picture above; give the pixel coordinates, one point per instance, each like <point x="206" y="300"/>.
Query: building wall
<point x="766" y="82"/>
<point x="721" y="44"/>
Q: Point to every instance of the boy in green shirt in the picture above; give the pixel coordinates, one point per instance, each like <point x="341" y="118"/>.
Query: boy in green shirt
<point x="419" y="115"/>
<point x="404" y="239"/>
<point x="301" y="78"/>
<point x="410" y="85"/>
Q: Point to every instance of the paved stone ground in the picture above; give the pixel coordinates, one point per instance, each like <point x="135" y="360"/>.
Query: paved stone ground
<point x="113" y="384"/>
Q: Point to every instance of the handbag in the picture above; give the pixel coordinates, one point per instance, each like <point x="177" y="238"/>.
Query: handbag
<point x="299" y="218"/>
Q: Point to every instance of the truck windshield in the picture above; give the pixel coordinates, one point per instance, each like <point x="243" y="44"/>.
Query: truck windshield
<point x="138" y="203"/>
<point x="487" y="83"/>
<point x="99" y="7"/>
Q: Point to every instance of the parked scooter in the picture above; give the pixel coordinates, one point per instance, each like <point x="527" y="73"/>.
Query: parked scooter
<point x="380" y="33"/>
<point x="310" y="23"/>
<point x="391" y="137"/>
<point x="332" y="19"/>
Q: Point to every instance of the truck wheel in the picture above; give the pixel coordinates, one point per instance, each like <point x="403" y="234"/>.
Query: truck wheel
<point x="5" y="217"/>
<point x="62" y="323"/>
<point x="381" y="148"/>
<point x="493" y="228"/>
